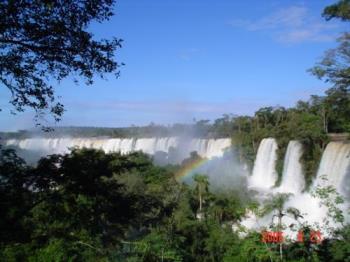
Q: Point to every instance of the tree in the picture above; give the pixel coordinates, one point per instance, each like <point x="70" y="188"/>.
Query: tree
<point x="251" y="248"/>
<point x="334" y="67"/>
<point x="340" y="248"/>
<point x="16" y="197"/>
<point x="265" y="115"/>
<point x="276" y="205"/>
<point x="225" y="208"/>
<point x="202" y="185"/>
<point x="331" y="199"/>
<point x="320" y="107"/>
<point x="46" y="41"/>
<point x="82" y="204"/>
<point x="339" y="10"/>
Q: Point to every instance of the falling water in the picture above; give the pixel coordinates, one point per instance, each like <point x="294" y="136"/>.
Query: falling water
<point x="334" y="166"/>
<point x="264" y="172"/>
<point x="208" y="148"/>
<point x="292" y="177"/>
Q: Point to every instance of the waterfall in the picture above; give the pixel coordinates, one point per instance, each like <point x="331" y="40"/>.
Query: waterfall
<point x="335" y="164"/>
<point x="292" y="177"/>
<point x="207" y="148"/>
<point x="264" y="172"/>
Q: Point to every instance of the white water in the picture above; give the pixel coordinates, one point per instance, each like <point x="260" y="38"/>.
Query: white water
<point x="292" y="177"/>
<point x="208" y="148"/>
<point x="334" y="166"/>
<point x="264" y="172"/>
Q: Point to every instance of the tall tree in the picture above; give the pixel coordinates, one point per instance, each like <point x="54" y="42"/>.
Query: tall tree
<point x="276" y="206"/>
<point x="334" y="68"/>
<point x="46" y="41"/>
<point x="202" y="185"/>
<point x="335" y="65"/>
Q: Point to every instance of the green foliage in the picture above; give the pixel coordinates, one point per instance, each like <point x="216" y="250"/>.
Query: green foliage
<point x="340" y="10"/>
<point x="330" y="198"/>
<point x="82" y="198"/>
<point x="201" y="189"/>
<point x="334" y="68"/>
<point x="16" y="197"/>
<point x="340" y="247"/>
<point x="157" y="246"/>
<point x="92" y="206"/>
<point x="45" y="41"/>
<point x="250" y="249"/>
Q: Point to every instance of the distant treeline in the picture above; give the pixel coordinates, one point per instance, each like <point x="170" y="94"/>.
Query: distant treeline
<point x="201" y="129"/>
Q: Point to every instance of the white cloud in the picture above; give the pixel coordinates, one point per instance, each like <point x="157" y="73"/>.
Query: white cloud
<point x="293" y="24"/>
<point x="293" y="16"/>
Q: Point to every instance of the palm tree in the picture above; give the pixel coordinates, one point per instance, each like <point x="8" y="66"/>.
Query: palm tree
<point x="202" y="185"/>
<point x="276" y="205"/>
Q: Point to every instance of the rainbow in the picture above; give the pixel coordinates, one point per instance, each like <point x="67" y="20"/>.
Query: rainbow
<point x="187" y="170"/>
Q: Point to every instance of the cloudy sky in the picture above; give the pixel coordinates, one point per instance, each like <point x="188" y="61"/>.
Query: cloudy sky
<point x="189" y="59"/>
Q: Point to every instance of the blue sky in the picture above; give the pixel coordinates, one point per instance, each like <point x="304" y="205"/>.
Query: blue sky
<point x="198" y="59"/>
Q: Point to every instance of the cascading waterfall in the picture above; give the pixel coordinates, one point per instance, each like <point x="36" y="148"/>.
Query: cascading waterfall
<point x="334" y="166"/>
<point x="264" y="173"/>
<point x="207" y="148"/>
<point x="292" y="177"/>
<point x="263" y="178"/>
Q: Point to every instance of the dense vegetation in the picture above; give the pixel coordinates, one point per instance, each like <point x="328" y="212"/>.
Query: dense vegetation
<point x="92" y="206"/>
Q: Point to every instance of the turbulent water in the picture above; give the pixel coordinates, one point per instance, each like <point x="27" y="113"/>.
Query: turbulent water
<point x="264" y="172"/>
<point x="207" y="148"/>
<point x="292" y="177"/>
<point x="334" y="166"/>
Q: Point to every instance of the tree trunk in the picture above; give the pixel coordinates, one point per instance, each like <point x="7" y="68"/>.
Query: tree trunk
<point x="325" y="124"/>
<point x="280" y="215"/>
<point x="200" y="200"/>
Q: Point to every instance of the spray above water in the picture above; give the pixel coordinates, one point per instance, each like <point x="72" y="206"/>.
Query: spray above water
<point x="224" y="173"/>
